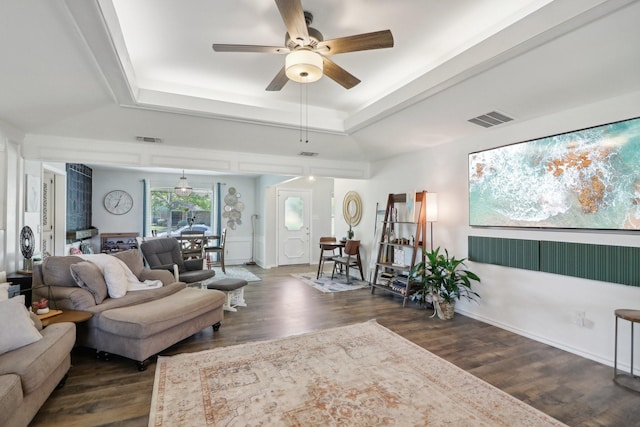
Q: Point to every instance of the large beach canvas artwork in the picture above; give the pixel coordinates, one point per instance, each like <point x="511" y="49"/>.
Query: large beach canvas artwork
<point x="586" y="179"/>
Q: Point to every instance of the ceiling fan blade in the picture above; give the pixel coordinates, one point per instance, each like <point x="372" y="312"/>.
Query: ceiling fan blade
<point x="249" y="48"/>
<point x="278" y="81"/>
<point x="367" y="41"/>
<point x="339" y="74"/>
<point x="293" y="17"/>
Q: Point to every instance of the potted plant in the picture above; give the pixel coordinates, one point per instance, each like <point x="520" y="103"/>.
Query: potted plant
<point x="444" y="280"/>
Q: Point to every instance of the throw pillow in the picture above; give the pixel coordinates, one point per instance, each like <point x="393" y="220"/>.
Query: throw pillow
<point x="4" y="291"/>
<point x="88" y="276"/>
<point x="36" y="321"/>
<point x="18" y="329"/>
<point x="133" y="259"/>
<point x="55" y="270"/>
<point x="116" y="279"/>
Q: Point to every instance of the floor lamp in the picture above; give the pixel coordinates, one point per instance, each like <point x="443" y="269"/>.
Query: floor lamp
<point x="432" y="213"/>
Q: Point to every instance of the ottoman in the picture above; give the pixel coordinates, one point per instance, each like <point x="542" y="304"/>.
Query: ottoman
<point x="234" y="292"/>
<point x="142" y="330"/>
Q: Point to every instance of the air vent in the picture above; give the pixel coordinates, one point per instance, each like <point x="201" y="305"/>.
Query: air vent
<point x="307" y="153"/>
<point x="148" y="139"/>
<point x="490" y="119"/>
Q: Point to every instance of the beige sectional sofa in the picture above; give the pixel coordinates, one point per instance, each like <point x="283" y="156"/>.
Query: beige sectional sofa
<point x="30" y="373"/>
<point x="137" y="325"/>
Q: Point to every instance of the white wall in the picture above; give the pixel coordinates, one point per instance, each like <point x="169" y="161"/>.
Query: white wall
<point x="3" y="200"/>
<point x="11" y="198"/>
<point x="33" y="219"/>
<point x="538" y="305"/>
<point x="370" y="194"/>
<point x="321" y="188"/>
<point x="238" y="242"/>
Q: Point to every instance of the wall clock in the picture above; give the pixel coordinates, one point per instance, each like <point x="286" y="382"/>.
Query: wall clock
<point x="118" y="202"/>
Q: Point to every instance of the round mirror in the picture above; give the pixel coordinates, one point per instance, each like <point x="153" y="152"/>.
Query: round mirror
<point x="352" y="208"/>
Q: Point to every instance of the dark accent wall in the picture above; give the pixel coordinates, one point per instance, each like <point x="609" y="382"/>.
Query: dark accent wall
<point x="514" y="253"/>
<point x="615" y="264"/>
<point x="79" y="190"/>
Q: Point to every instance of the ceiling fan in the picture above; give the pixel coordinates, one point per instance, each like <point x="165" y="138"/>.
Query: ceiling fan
<point x="307" y="50"/>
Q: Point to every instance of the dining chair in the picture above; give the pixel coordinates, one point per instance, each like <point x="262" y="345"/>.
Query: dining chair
<point x="327" y="253"/>
<point x="219" y="249"/>
<point x="192" y="244"/>
<point x="351" y="258"/>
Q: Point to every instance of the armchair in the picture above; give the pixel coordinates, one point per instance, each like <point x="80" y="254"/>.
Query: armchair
<point x="165" y="254"/>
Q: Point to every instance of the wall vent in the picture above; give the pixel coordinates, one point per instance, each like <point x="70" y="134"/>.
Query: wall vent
<point x="490" y="119"/>
<point x="307" y="154"/>
<point x="148" y="139"/>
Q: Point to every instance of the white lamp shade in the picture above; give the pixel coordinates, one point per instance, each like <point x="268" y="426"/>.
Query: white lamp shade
<point x="432" y="207"/>
<point x="303" y="66"/>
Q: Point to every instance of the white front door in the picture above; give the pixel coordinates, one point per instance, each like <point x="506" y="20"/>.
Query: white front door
<point x="294" y="225"/>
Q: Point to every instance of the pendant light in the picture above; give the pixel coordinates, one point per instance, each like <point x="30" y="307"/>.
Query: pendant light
<point x="182" y="189"/>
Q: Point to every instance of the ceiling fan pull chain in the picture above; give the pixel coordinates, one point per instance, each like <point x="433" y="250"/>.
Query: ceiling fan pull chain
<point x="306" y="103"/>
<point x="300" y="112"/>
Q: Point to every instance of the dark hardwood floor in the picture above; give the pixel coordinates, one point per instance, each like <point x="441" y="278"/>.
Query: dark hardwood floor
<point x="576" y="391"/>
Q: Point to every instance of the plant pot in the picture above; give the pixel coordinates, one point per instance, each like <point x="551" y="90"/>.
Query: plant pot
<point x="447" y="310"/>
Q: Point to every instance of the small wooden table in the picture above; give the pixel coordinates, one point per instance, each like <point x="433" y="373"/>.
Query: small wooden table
<point x="628" y="380"/>
<point x="74" y="316"/>
<point x="23" y="279"/>
<point x="328" y="246"/>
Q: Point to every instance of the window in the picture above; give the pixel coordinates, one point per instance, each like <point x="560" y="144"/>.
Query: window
<point x="171" y="214"/>
<point x="293" y="213"/>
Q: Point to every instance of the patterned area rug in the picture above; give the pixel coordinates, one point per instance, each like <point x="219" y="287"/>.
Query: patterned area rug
<point x="357" y="375"/>
<point x="325" y="284"/>
<point x="235" y="273"/>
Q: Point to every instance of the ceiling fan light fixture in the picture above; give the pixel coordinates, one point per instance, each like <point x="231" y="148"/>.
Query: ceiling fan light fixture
<point x="303" y="66"/>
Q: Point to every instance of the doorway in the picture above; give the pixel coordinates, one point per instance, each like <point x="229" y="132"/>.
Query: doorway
<point x="294" y="226"/>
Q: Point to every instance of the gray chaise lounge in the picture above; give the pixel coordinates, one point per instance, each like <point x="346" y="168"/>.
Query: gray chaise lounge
<point x="138" y="325"/>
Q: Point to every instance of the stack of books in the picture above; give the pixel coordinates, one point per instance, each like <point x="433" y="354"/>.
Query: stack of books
<point x="385" y="279"/>
<point x="399" y="286"/>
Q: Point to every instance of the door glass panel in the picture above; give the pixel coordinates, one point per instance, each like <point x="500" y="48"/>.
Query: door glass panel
<point x="293" y="213"/>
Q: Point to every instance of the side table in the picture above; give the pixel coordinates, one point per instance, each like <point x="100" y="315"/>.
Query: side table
<point x="74" y="316"/>
<point x="24" y="280"/>
<point x="628" y="380"/>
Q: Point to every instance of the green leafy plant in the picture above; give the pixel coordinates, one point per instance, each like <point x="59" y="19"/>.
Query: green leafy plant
<point x="443" y="278"/>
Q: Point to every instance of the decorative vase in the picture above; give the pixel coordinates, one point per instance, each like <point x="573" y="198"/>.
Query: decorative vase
<point x="447" y="310"/>
<point x="42" y="310"/>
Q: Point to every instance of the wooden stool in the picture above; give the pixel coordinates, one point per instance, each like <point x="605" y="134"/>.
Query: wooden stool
<point x="629" y="380"/>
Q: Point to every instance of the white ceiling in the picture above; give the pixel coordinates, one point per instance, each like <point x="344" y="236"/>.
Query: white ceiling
<point x="114" y="69"/>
